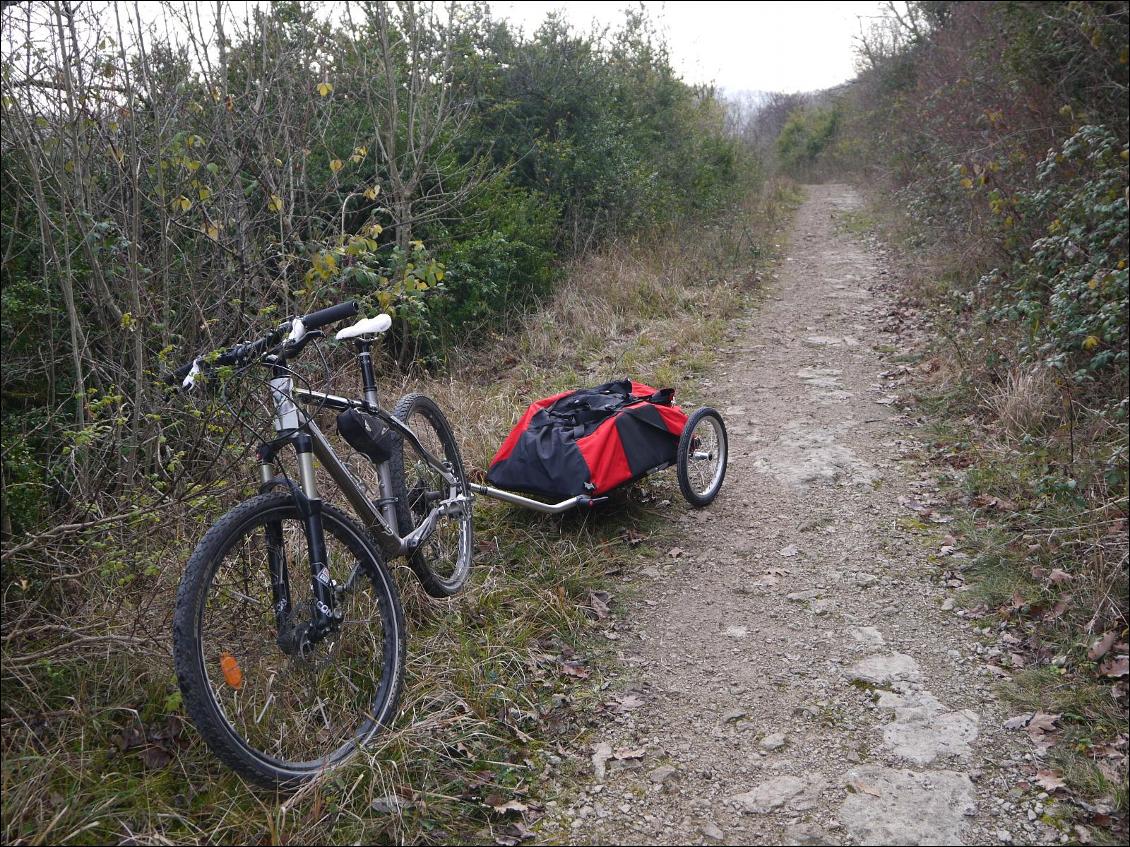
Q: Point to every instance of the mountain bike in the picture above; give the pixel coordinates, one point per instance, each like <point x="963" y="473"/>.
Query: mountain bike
<point x="288" y="634"/>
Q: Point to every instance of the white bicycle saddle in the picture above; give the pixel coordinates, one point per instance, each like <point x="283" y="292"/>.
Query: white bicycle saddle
<point x="366" y="326"/>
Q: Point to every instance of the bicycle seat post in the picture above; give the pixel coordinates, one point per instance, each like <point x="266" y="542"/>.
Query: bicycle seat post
<point x="368" y="379"/>
<point x="387" y="499"/>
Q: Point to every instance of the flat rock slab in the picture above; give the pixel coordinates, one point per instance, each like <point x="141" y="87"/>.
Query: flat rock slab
<point x="831" y="341"/>
<point x="775" y="793"/>
<point x="892" y="806"/>
<point x="821" y="377"/>
<point x="924" y="730"/>
<point x="805" y="455"/>
<point x="885" y="669"/>
<point x="868" y="636"/>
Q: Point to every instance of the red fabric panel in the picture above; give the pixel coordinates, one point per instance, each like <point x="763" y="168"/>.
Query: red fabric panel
<point x="674" y="417"/>
<point x="508" y="445"/>
<point x="604" y="454"/>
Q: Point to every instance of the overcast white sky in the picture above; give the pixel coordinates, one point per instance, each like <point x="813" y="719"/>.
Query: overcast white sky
<point x="740" y="46"/>
<point x="763" y="46"/>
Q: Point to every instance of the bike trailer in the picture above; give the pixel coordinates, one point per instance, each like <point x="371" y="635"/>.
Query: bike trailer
<point x="590" y="441"/>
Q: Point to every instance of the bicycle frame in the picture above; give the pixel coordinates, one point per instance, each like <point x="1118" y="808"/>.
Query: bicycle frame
<point x="295" y="427"/>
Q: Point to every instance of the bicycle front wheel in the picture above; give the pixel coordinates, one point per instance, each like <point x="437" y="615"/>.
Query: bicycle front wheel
<point x="273" y="706"/>
<point x="443" y="562"/>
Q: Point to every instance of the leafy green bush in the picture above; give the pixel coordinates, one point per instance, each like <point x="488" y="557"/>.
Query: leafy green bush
<point x="1070" y="286"/>
<point x="805" y="137"/>
<point x="500" y="258"/>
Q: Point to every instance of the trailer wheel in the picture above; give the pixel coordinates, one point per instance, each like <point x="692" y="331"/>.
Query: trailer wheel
<point x="701" y="460"/>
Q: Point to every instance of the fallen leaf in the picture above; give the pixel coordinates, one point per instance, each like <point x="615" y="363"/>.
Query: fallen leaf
<point x="1115" y="667"/>
<point x="510" y="806"/>
<point x="129" y="738"/>
<point x="1041" y="729"/>
<point x="984" y="501"/>
<point x="860" y="787"/>
<point x="598" y="604"/>
<point x="1042" y="722"/>
<point x="1049" y="780"/>
<point x="1102" y="646"/>
<point x="1058" y="609"/>
<point x="156" y="757"/>
<point x="575" y="668"/>
<point x="627" y="703"/>
<point x="623" y="753"/>
<point x="513" y="834"/>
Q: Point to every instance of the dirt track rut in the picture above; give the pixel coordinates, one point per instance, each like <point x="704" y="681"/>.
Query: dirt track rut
<point x="797" y="674"/>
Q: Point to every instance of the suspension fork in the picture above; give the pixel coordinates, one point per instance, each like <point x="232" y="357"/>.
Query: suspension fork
<point x="325" y="618"/>
<point x="276" y="551"/>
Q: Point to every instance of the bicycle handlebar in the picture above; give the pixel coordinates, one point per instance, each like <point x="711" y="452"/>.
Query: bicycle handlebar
<point x="330" y="314"/>
<point x="243" y="353"/>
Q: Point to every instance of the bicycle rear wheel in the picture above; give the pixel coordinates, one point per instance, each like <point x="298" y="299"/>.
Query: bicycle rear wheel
<point x="276" y="709"/>
<point x="443" y="562"/>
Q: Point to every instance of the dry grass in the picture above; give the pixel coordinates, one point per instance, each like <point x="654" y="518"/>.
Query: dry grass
<point x="1025" y="402"/>
<point x="485" y="703"/>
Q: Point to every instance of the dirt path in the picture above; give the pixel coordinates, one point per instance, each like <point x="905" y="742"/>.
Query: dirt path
<point x="797" y="674"/>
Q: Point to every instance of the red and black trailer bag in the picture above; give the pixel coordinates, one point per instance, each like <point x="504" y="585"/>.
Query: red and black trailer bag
<point x="589" y="441"/>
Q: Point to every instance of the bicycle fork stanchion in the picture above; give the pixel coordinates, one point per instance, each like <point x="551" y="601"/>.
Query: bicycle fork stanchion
<point x="325" y="617"/>
<point x="276" y="552"/>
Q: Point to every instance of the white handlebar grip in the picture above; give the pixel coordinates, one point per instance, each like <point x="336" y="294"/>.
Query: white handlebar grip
<point x="190" y="379"/>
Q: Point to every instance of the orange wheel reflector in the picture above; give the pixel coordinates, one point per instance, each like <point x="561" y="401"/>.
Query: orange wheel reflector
<point x="232" y="674"/>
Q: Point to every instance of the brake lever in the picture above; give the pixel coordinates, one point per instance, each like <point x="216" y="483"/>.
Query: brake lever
<point x="295" y="348"/>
